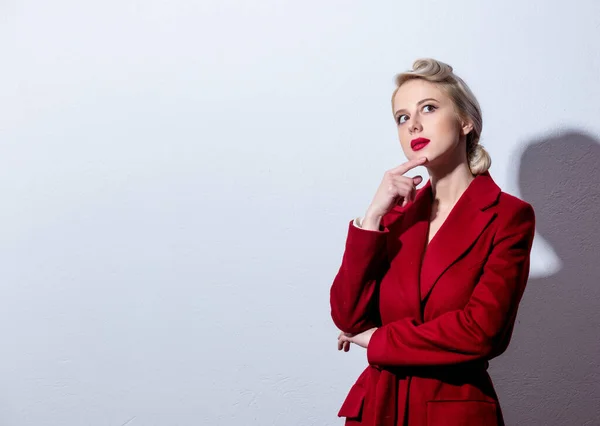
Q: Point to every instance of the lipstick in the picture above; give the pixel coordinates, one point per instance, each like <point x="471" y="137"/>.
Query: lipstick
<point x="418" y="143"/>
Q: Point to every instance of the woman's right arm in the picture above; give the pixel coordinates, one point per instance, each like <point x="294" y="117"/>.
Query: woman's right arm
<point x="354" y="289"/>
<point x="353" y="295"/>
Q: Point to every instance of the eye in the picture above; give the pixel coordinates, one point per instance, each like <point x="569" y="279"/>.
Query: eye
<point x="433" y="107"/>
<point x="399" y="119"/>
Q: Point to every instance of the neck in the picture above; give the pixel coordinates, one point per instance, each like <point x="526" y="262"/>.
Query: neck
<point x="448" y="185"/>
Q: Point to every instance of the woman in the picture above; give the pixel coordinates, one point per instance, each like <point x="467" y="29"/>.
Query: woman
<point x="431" y="279"/>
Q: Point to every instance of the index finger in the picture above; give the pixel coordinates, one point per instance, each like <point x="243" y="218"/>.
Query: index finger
<point x="411" y="164"/>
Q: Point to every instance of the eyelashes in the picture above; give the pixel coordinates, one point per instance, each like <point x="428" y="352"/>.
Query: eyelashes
<point x="399" y="118"/>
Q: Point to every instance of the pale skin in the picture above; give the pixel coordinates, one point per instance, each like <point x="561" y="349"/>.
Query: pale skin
<point x="421" y="109"/>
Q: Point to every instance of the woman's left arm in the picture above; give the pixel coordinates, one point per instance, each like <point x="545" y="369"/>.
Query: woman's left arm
<point x="480" y="329"/>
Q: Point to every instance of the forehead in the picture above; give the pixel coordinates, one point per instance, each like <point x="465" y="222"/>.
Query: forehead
<point x="414" y="90"/>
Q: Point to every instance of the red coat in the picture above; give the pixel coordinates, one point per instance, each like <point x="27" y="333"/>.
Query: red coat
<point x="443" y="309"/>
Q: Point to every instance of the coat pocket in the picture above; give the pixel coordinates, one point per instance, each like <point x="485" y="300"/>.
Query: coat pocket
<point x="462" y="413"/>
<point x="353" y="404"/>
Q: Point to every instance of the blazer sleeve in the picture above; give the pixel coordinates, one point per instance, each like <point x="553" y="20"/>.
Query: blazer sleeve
<point x="353" y="294"/>
<point x="480" y="330"/>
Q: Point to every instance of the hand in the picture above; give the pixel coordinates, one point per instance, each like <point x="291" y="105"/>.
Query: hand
<point x="361" y="339"/>
<point x="342" y="344"/>
<point x="395" y="189"/>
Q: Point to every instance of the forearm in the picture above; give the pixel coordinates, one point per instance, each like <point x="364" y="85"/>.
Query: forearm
<point x="353" y="295"/>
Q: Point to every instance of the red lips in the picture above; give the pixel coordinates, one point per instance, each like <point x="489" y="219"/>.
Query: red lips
<point x="418" y="143"/>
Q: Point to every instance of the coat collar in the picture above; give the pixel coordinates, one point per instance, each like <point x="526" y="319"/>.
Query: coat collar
<point x="466" y="221"/>
<point x="482" y="192"/>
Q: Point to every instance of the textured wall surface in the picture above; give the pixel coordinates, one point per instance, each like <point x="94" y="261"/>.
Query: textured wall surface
<point x="177" y="178"/>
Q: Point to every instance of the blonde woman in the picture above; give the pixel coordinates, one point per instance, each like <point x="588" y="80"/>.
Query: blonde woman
<point x="431" y="278"/>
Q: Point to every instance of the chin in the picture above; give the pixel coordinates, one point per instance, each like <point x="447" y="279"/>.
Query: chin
<point x="425" y="152"/>
<point x="432" y="160"/>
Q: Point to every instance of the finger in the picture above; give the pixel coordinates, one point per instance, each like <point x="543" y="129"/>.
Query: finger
<point x="410" y="197"/>
<point x="412" y="194"/>
<point x="404" y="192"/>
<point x="346" y="346"/>
<point x="341" y="342"/>
<point x="411" y="164"/>
<point x="407" y="181"/>
<point x="405" y="189"/>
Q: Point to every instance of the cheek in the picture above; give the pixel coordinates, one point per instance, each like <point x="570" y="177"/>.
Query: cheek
<point x="449" y="124"/>
<point x="404" y="139"/>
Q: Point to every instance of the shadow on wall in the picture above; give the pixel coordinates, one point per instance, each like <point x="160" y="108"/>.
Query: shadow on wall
<point x="550" y="375"/>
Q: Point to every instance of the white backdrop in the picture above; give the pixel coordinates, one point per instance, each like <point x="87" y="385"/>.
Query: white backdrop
<point x="177" y="179"/>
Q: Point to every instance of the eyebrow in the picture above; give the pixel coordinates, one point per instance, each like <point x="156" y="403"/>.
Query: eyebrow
<point x="418" y="103"/>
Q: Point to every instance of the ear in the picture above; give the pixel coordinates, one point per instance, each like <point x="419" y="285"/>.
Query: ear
<point x="466" y="127"/>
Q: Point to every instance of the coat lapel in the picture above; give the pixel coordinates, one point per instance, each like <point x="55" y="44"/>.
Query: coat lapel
<point x="465" y="223"/>
<point x="412" y="242"/>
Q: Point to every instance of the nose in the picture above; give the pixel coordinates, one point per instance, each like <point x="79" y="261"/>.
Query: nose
<point x="415" y="125"/>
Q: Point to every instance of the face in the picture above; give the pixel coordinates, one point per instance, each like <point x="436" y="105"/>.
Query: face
<point x="428" y="125"/>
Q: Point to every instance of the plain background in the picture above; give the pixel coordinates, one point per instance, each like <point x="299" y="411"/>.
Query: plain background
<point x="177" y="179"/>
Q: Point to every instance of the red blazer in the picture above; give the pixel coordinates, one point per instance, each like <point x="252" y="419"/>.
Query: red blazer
<point x="443" y="309"/>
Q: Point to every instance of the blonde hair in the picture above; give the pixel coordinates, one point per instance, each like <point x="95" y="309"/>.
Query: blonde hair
<point x="464" y="100"/>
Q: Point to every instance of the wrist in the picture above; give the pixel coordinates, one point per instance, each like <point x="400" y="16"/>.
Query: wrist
<point x="371" y="221"/>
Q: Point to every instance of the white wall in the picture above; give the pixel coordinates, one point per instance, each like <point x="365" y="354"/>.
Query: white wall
<point x="177" y="178"/>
